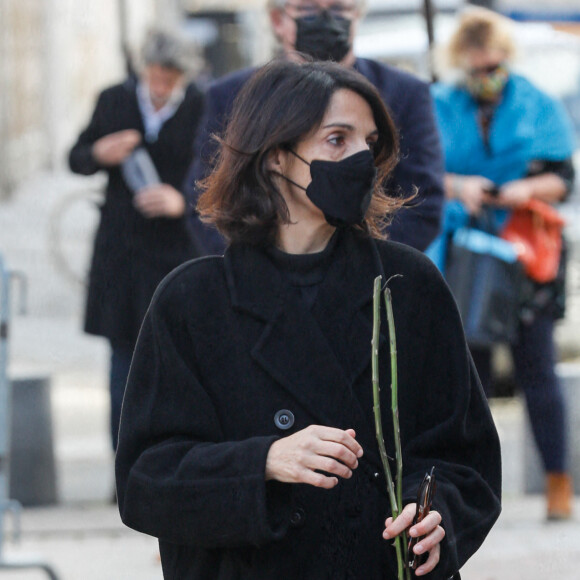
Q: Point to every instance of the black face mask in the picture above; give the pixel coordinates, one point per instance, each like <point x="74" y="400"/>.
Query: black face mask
<point x="323" y="37"/>
<point x="342" y="190"/>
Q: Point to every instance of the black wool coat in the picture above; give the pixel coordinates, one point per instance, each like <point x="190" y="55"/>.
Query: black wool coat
<point x="131" y="253"/>
<point x="229" y="360"/>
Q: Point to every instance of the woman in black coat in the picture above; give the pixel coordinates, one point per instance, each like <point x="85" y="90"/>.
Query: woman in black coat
<point x="247" y="440"/>
<point x="142" y="234"/>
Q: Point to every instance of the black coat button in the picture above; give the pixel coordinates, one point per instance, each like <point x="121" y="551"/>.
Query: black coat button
<point x="284" y="419"/>
<point x="297" y="518"/>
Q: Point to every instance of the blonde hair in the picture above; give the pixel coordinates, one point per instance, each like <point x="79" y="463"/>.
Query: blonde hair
<point x="480" y="29"/>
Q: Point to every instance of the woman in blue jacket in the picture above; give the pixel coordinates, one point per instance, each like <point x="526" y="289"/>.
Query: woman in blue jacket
<point x="507" y="142"/>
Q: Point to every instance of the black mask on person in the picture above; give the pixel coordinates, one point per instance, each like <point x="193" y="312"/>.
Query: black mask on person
<point x="342" y="190"/>
<point x="323" y="37"/>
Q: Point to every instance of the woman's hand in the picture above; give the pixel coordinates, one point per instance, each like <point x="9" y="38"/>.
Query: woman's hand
<point x="428" y="527"/>
<point x="515" y="193"/>
<point x="114" y="148"/>
<point x="547" y="187"/>
<point x="160" y="201"/>
<point x="300" y="458"/>
<point x="471" y="190"/>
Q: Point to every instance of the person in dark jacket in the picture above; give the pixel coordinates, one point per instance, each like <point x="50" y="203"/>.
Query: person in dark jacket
<point x="247" y="442"/>
<point x="142" y="234"/>
<point x="324" y="30"/>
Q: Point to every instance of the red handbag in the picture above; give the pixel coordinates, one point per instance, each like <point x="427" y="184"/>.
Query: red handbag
<point x="535" y="229"/>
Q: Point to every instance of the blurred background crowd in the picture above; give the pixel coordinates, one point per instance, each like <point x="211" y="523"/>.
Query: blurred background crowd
<point x="56" y="56"/>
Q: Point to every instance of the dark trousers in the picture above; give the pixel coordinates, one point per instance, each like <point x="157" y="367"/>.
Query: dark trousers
<point x="121" y="354"/>
<point x="534" y="367"/>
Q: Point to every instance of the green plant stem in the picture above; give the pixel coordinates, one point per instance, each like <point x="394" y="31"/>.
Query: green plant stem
<point x="395" y="411"/>
<point x="395" y="508"/>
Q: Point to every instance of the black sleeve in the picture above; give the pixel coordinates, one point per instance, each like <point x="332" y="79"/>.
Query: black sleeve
<point x="219" y="99"/>
<point x="177" y="478"/>
<point x="420" y="169"/>
<point x="563" y="169"/>
<point x="205" y="148"/>
<point x="81" y="158"/>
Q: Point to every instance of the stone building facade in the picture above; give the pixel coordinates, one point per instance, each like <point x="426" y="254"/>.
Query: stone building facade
<point x="55" y="55"/>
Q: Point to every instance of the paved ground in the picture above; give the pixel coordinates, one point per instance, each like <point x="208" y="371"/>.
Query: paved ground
<point x="88" y="542"/>
<point x="83" y="539"/>
<point x="82" y="536"/>
<point x="83" y="542"/>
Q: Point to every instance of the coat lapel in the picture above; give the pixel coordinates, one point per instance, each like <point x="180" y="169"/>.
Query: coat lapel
<point x="291" y="348"/>
<point x="300" y="348"/>
<point x="344" y="311"/>
<point x="344" y="305"/>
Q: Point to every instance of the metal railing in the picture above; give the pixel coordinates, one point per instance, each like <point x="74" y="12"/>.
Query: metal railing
<point x="6" y="504"/>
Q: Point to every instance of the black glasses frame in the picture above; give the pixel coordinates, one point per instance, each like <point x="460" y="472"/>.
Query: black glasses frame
<point x="485" y="70"/>
<point x="338" y="10"/>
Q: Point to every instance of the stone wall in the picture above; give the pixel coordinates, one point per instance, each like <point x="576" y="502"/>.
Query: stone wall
<point x="23" y="144"/>
<point x="55" y="56"/>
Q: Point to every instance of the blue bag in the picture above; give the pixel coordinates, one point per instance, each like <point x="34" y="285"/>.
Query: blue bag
<point x="486" y="280"/>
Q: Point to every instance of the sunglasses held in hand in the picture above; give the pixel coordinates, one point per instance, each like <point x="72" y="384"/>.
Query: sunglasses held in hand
<point x="424" y="501"/>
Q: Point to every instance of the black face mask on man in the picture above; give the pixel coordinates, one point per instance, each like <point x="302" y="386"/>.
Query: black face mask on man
<point x="342" y="190"/>
<point x="323" y="37"/>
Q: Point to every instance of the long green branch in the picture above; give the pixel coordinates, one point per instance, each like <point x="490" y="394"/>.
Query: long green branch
<point x="395" y="507"/>
<point x="395" y="411"/>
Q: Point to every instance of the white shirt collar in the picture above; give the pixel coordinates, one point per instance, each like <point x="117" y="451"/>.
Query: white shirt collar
<point x="153" y="120"/>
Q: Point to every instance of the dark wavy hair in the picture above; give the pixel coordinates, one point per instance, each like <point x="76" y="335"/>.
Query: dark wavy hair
<point x="278" y="107"/>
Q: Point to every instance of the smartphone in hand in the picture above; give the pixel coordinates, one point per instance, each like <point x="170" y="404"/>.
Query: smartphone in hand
<point x="492" y="190"/>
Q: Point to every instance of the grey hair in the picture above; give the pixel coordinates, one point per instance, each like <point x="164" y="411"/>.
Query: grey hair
<point x="167" y="50"/>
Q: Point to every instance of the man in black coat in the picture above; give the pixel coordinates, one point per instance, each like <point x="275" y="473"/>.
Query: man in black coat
<point x="324" y="29"/>
<point x="141" y="134"/>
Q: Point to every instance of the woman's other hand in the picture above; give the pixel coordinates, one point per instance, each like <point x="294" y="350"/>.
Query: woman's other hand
<point x="114" y="148"/>
<point x="299" y="458"/>
<point x="160" y="201"/>
<point x="547" y="187"/>
<point x="471" y="190"/>
<point x="428" y="527"/>
<point x="515" y="193"/>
